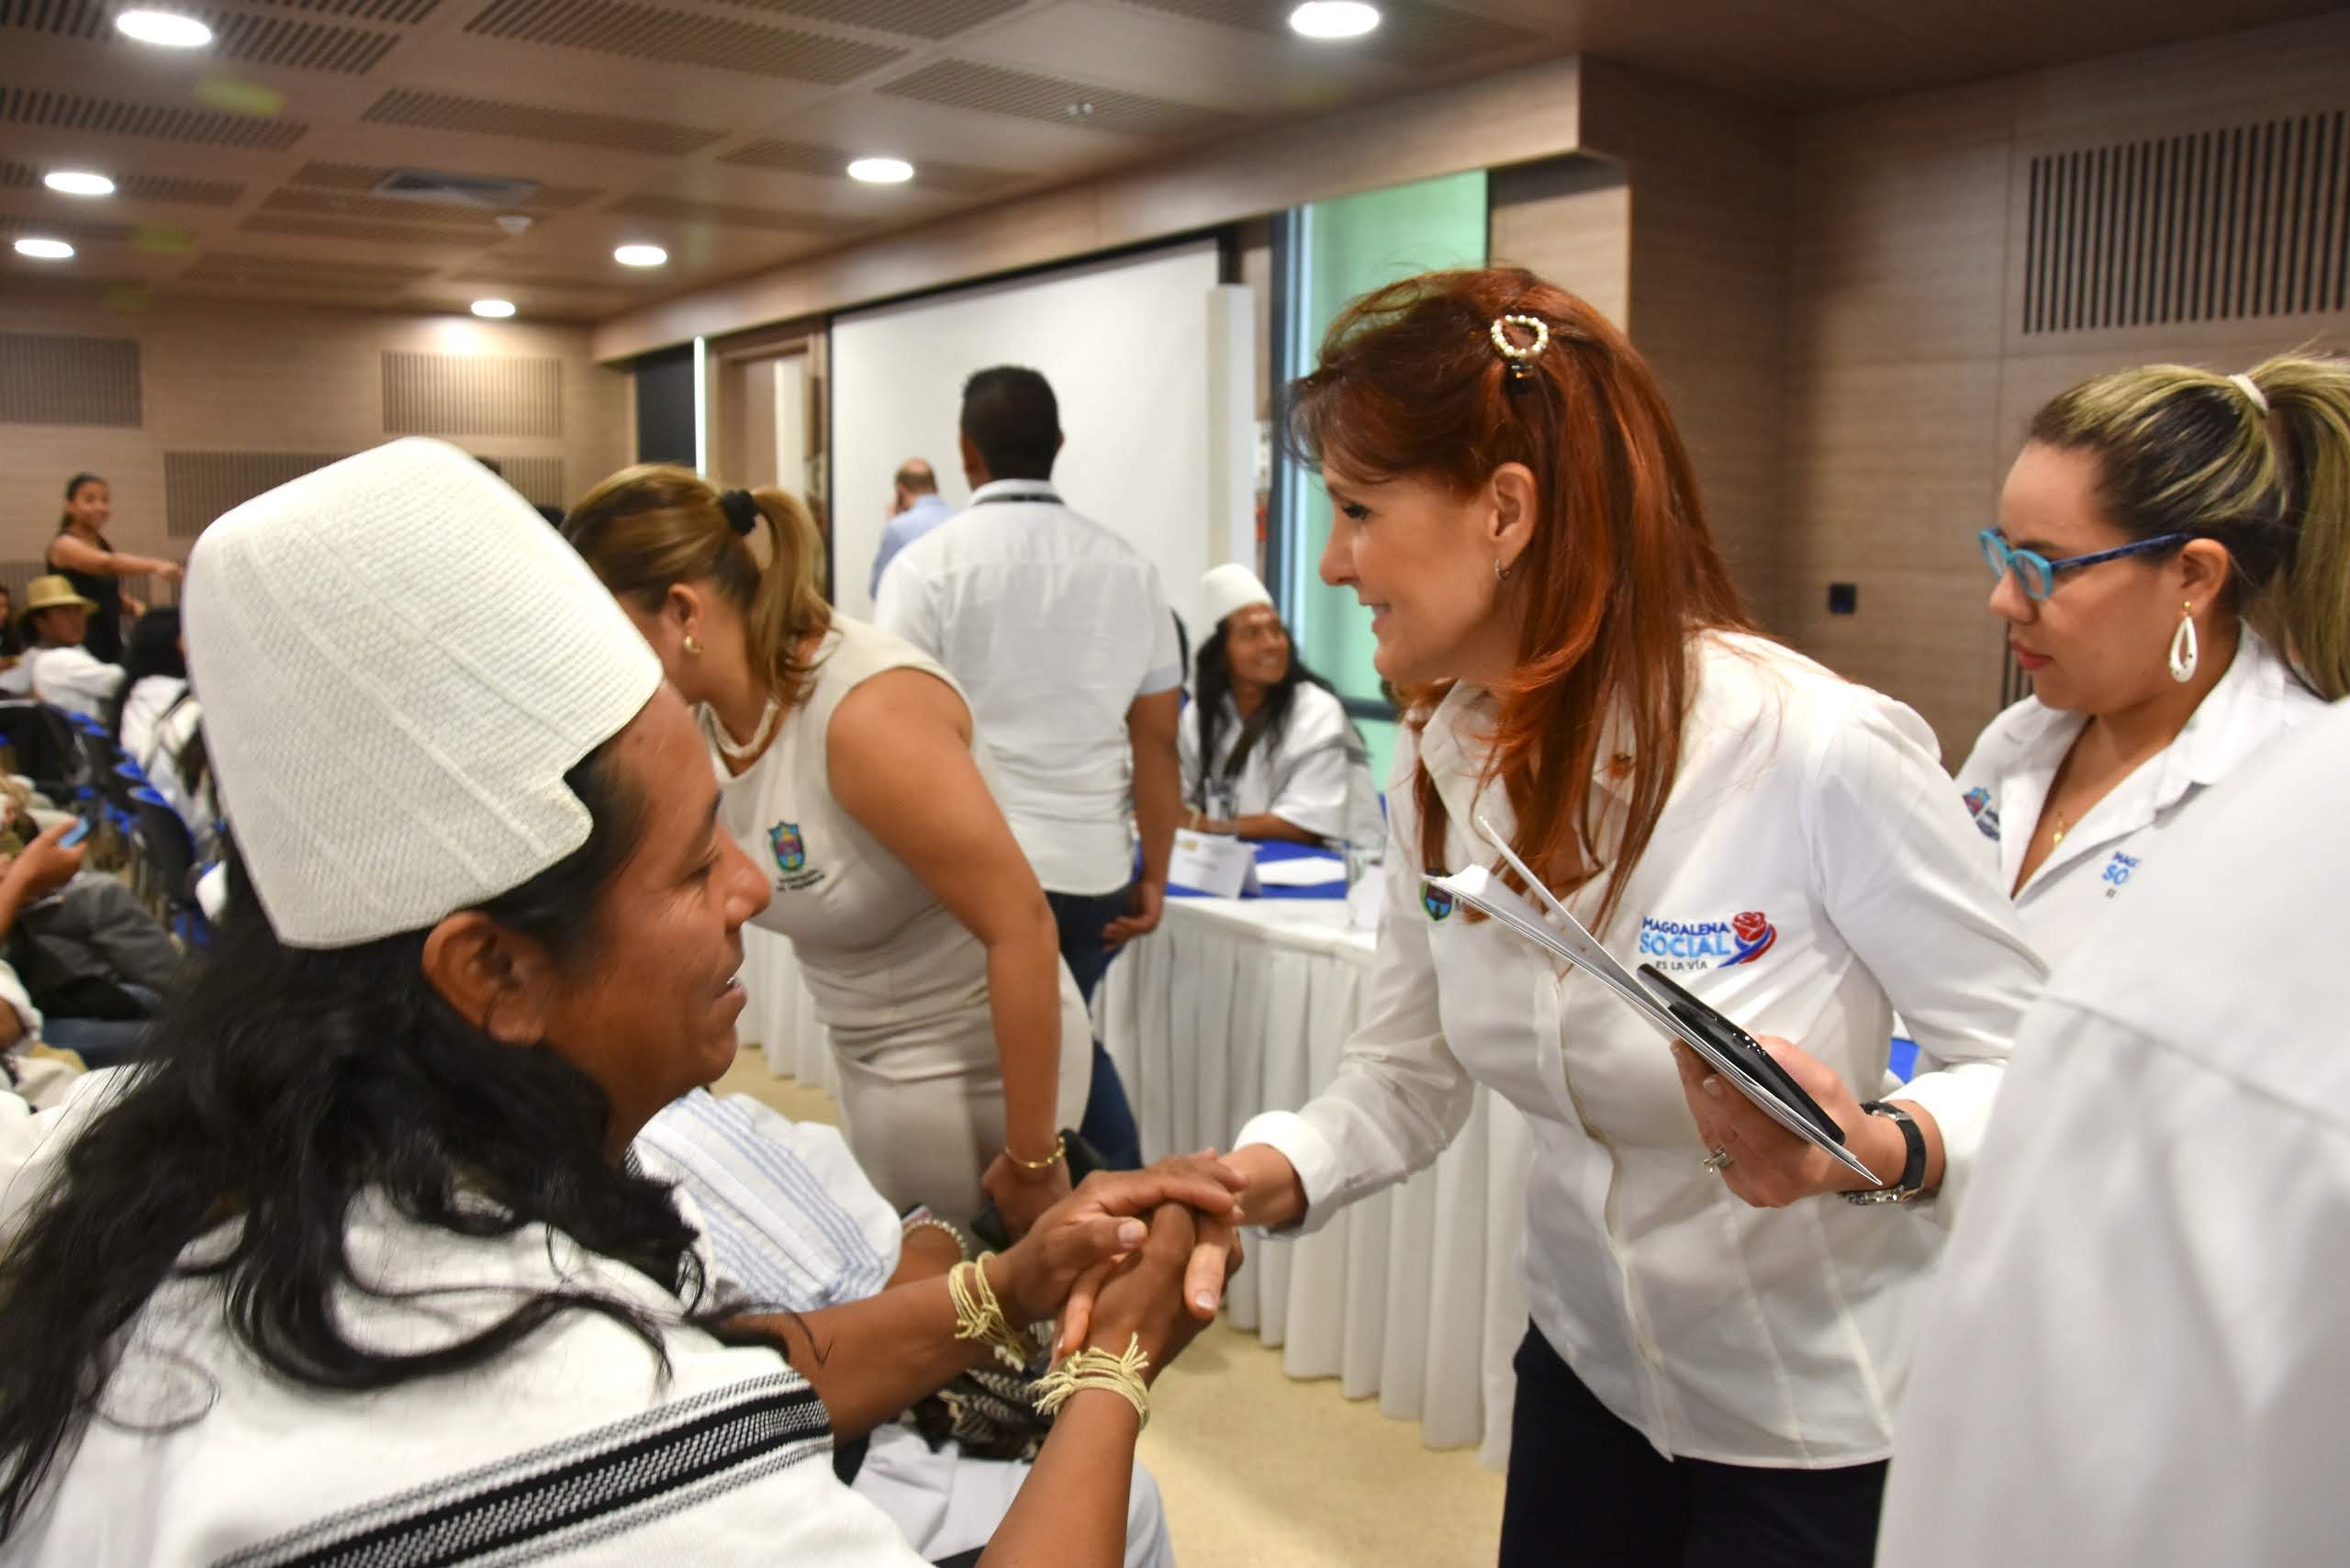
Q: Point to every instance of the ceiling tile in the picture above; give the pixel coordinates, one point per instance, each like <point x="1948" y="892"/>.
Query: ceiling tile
<point x="810" y="158"/>
<point x="84" y="230"/>
<point x="482" y="116"/>
<point x="912" y="19"/>
<point x="372" y="234"/>
<point x="253" y="37"/>
<point x="682" y="38"/>
<point x="112" y="116"/>
<point x="142" y="187"/>
<point x="994" y="90"/>
<point x="1407" y="34"/>
<point x="650" y="205"/>
<point x="409" y="12"/>
<point x="220" y="266"/>
<point x="363" y="177"/>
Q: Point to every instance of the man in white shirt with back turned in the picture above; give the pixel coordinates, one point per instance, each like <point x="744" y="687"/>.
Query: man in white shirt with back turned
<point x="1058" y="631"/>
<point x="2138" y="1352"/>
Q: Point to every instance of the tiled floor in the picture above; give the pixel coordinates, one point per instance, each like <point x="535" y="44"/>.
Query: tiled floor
<point x="1261" y="1472"/>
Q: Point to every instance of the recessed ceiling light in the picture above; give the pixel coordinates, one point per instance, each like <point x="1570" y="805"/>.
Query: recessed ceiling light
<point x="640" y="255"/>
<point x="1334" y="18"/>
<point x="496" y="309"/>
<point x="73" y="182"/>
<point x="168" y="28"/>
<point x="45" y="249"/>
<point x="881" y="170"/>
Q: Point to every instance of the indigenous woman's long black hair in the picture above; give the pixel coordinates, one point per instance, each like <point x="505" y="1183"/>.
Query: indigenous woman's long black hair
<point x="278" y="1087"/>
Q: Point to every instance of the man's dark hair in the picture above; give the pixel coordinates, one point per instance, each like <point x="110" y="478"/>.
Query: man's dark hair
<point x="1010" y="415"/>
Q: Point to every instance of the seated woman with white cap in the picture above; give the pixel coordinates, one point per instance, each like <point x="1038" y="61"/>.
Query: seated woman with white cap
<point x="357" y="1264"/>
<point x="1269" y="751"/>
<point x="56" y="668"/>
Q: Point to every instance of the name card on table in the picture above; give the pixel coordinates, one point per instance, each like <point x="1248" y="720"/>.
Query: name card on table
<point x="1214" y="864"/>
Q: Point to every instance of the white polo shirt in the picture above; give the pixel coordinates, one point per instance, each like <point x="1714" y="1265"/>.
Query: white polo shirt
<point x="2005" y="781"/>
<point x="2137" y="1351"/>
<point x="1810" y="871"/>
<point x="1052" y="625"/>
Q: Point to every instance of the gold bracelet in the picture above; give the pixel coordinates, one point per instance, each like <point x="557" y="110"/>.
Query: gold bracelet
<point x="1060" y="1152"/>
<point x="979" y="1315"/>
<point x="1091" y="1368"/>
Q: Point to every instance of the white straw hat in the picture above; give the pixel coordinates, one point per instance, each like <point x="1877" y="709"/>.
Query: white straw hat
<point x="1229" y="588"/>
<point x="399" y="661"/>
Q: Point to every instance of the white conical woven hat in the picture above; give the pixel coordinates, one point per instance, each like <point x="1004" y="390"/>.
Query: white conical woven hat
<point x="398" y="661"/>
<point x="1229" y="588"/>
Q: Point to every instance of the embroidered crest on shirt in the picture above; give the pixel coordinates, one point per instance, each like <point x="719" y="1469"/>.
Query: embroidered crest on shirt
<point x="792" y="859"/>
<point x="1707" y="943"/>
<point x="1435" y="901"/>
<point x="1985" y="814"/>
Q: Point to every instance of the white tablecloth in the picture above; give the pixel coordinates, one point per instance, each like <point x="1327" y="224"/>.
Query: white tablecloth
<point x="1233" y="1007"/>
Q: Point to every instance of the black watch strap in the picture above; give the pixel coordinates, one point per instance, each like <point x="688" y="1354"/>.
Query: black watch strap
<point x="1912" y="1183"/>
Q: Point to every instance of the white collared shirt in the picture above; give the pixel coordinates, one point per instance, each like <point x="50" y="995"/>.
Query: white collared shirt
<point x="2005" y="781"/>
<point x="70" y="677"/>
<point x="2138" y="1353"/>
<point x="1809" y="872"/>
<point x="1315" y="774"/>
<point x="1053" y="626"/>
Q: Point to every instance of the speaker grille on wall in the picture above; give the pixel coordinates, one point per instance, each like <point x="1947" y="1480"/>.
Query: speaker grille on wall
<point x="63" y="380"/>
<point x="448" y="394"/>
<point x="200" y="485"/>
<point x="2209" y="226"/>
<point x="539" y="478"/>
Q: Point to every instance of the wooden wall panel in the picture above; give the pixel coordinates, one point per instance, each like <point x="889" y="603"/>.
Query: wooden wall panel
<point x="229" y="379"/>
<point x="1706" y="273"/>
<point x="1910" y="380"/>
<point x="1571" y="220"/>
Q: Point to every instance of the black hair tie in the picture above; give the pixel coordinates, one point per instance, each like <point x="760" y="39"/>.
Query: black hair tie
<point x="742" y="512"/>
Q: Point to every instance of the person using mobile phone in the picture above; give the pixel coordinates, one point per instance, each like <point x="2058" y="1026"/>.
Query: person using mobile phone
<point x="1718" y="1337"/>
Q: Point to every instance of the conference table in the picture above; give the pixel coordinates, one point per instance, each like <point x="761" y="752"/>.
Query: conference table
<point x="1237" y="1005"/>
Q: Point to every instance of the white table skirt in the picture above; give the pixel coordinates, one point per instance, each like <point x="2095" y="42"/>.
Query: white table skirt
<point x="1232" y="1007"/>
<point x="779" y="1019"/>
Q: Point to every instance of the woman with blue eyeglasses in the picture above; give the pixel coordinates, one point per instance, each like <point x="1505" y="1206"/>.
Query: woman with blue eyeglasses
<point x="2173" y="563"/>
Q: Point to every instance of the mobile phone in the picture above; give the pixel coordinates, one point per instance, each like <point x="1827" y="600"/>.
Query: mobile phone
<point x="1741" y="1047"/>
<point x="81" y="831"/>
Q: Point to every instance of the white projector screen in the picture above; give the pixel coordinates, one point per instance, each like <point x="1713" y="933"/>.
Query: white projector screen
<point x="1127" y="347"/>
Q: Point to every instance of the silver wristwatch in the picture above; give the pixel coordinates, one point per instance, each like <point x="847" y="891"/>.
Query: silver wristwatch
<point x="1912" y="1184"/>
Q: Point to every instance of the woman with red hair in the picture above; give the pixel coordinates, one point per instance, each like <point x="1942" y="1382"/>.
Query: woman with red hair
<point x="1718" y="1337"/>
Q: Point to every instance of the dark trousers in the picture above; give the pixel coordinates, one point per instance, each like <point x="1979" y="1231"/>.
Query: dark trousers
<point x="1584" y="1488"/>
<point x="1109" y="1124"/>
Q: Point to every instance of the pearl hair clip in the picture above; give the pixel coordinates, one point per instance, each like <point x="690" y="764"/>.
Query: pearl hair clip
<point x="1520" y="375"/>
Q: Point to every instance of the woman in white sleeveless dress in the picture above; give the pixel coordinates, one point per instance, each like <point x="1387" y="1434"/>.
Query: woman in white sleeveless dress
<point x="850" y="772"/>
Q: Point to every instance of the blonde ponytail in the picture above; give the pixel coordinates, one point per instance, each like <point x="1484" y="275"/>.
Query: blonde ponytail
<point x="2308" y="613"/>
<point x="653" y="526"/>
<point x="2259" y="462"/>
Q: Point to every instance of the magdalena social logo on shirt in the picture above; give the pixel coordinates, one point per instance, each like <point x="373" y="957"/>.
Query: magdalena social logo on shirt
<point x="1707" y="943"/>
<point x="1985" y="814"/>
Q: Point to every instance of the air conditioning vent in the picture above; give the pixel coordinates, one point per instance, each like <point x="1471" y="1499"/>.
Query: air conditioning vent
<point x="455" y="190"/>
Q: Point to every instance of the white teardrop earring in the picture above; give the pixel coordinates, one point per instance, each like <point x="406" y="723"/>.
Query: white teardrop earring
<point x="2183" y="651"/>
<point x="693" y="646"/>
